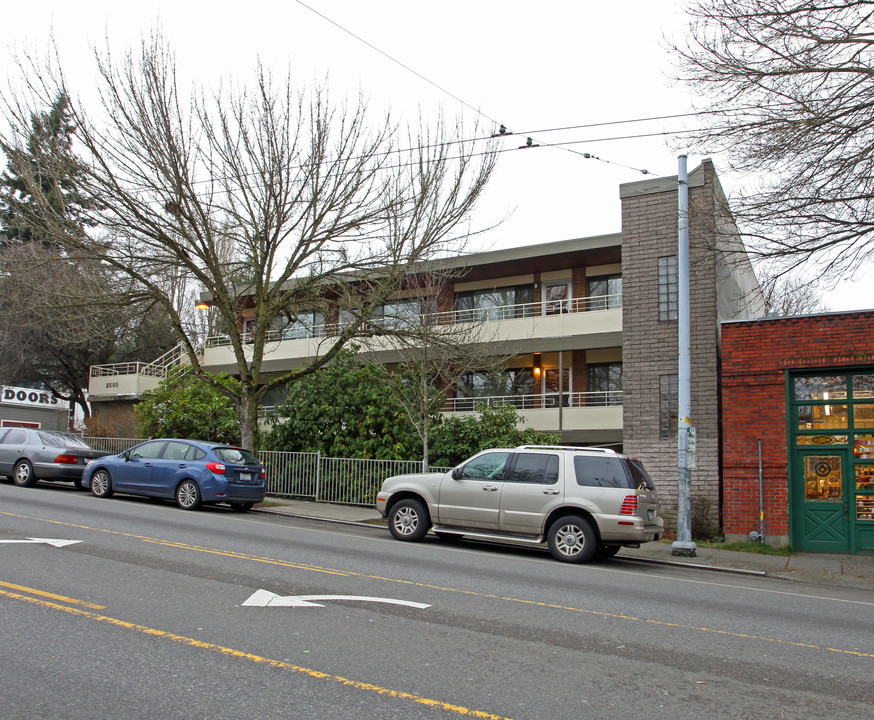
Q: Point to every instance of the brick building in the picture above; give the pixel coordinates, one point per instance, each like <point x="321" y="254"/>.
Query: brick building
<point x="800" y="392"/>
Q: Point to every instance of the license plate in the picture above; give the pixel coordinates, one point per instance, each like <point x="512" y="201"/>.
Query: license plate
<point x="246" y="477"/>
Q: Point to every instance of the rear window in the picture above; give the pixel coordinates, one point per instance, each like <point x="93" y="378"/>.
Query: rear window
<point x="59" y="440"/>
<point x="601" y="472"/>
<point x="235" y="455"/>
<point x="639" y="475"/>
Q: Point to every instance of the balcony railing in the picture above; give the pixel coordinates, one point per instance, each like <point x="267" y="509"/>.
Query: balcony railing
<point x="545" y="401"/>
<point x="157" y="368"/>
<point x="498" y="313"/>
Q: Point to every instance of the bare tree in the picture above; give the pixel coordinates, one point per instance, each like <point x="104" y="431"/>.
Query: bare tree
<point x="308" y="196"/>
<point x="431" y="345"/>
<point x="48" y="335"/>
<point x="791" y="84"/>
<point x="786" y="294"/>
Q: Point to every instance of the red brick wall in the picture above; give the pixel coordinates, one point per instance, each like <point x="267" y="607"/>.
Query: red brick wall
<point x="755" y="358"/>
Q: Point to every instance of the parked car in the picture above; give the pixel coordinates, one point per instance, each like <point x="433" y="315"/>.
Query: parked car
<point x="30" y="454"/>
<point x="584" y="503"/>
<point x="187" y="471"/>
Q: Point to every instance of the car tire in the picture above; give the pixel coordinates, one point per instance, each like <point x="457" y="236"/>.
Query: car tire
<point x="605" y="552"/>
<point x="408" y="520"/>
<point x="188" y="495"/>
<point x="242" y="507"/>
<point x="101" y="484"/>
<point x="23" y="474"/>
<point x="572" y="539"/>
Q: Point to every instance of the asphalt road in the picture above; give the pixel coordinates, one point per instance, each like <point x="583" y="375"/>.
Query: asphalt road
<point x="151" y="614"/>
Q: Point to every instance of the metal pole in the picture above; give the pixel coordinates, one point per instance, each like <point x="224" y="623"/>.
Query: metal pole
<point x="683" y="545"/>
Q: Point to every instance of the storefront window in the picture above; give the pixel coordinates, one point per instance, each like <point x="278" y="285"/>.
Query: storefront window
<point x="823" y="387"/>
<point x="864" y="476"/>
<point x="865" y="507"/>
<point x="822" y="417"/>
<point x="863" y="386"/>
<point x="863" y="415"/>
<point x="823" y="477"/>
<point x="864" y="447"/>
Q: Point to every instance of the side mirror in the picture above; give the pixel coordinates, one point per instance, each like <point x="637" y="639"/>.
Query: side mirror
<point x="456" y="473"/>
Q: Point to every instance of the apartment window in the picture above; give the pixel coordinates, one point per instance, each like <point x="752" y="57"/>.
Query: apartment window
<point x="605" y="292"/>
<point x="514" y="387"/>
<point x="606" y="378"/>
<point x="495" y="304"/>
<point x="668" y="405"/>
<point x="668" y="294"/>
<point x="398" y="314"/>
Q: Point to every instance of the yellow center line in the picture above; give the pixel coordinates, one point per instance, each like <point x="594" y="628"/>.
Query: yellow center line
<point x="62" y="598"/>
<point x="317" y="674"/>
<point x="472" y="593"/>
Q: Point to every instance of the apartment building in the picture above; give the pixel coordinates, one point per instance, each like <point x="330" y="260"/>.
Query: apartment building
<point x="586" y="329"/>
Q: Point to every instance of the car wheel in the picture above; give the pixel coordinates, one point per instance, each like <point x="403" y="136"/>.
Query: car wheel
<point x="23" y="475"/>
<point x="605" y="552"/>
<point x="188" y="495"/>
<point x="572" y="539"/>
<point x="241" y="507"/>
<point x="101" y="484"/>
<point x="408" y="520"/>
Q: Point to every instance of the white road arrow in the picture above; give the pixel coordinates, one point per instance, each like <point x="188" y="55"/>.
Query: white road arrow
<point x="265" y="598"/>
<point x="45" y="541"/>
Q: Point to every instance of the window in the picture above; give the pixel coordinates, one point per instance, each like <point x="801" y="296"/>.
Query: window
<point x="606" y="378"/>
<point x="398" y="314"/>
<point x="16" y="436"/>
<point x="304" y="325"/>
<point x="235" y="455"/>
<point x="600" y="472"/>
<point x="148" y="451"/>
<point x="495" y="304"/>
<point x="535" y="468"/>
<point x="59" y="440"/>
<point x="485" y="467"/>
<point x="512" y="383"/>
<point x="668" y="405"/>
<point x="605" y="292"/>
<point x="668" y="293"/>
<point x="182" y="451"/>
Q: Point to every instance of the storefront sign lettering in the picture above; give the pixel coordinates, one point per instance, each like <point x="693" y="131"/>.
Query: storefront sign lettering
<point x="26" y="396"/>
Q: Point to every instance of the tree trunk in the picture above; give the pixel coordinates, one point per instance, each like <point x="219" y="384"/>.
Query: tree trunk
<point x="248" y="418"/>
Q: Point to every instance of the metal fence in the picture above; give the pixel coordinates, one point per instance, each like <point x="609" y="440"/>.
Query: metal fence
<point x="348" y="481"/>
<point x="112" y="445"/>
<point x="336" y="480"/>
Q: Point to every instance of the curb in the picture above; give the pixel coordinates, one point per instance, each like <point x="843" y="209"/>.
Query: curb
<point x="645" y="560"/>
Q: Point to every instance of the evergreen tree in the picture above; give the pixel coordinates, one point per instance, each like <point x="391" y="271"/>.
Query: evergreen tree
<point x="49" y="160"/>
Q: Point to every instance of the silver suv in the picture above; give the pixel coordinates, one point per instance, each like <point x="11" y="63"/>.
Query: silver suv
<point x="584" y="503"/>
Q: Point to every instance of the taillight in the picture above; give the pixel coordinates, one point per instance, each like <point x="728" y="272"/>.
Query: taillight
<point x="217" y="468"/>
<point x="67" y="459"/>
<point x="263" y="474"/>
<point x="629" y="505"/>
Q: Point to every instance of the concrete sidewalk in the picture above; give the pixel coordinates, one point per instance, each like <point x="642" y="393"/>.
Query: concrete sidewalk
<point x="822" y="569"/>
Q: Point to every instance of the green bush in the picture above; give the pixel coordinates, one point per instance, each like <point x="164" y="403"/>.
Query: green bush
<point x="457" y="438"/>
<point x="187" y="407"/>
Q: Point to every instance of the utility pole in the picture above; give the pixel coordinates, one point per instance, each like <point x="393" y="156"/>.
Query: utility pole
<point x="683" y="545"/>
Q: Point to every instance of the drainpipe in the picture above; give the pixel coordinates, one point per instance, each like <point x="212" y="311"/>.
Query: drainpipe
<point x="760" y="536"/>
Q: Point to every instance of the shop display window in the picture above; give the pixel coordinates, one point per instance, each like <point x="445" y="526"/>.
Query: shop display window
<point x="863" y="448"/>
<point x="863" y="386"/>
<point x="864" y="476"/>
<point x="863" y="415"/>
<point x="822" y="417"/>
<point x="865" y="507"/>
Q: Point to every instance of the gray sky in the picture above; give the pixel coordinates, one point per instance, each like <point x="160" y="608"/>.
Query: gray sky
<point x="532" y="67"/>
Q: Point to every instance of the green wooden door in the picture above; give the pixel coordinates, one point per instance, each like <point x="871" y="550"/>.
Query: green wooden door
<point x="820" y="494"/>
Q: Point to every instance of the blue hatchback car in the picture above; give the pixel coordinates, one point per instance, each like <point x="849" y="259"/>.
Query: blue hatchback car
<point x="187" y="471"/>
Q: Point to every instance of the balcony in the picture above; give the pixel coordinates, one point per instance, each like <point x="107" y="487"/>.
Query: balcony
<point x="581" y="323"/>
<point x="131" y="379"/>
<point x="580" y="411"/>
